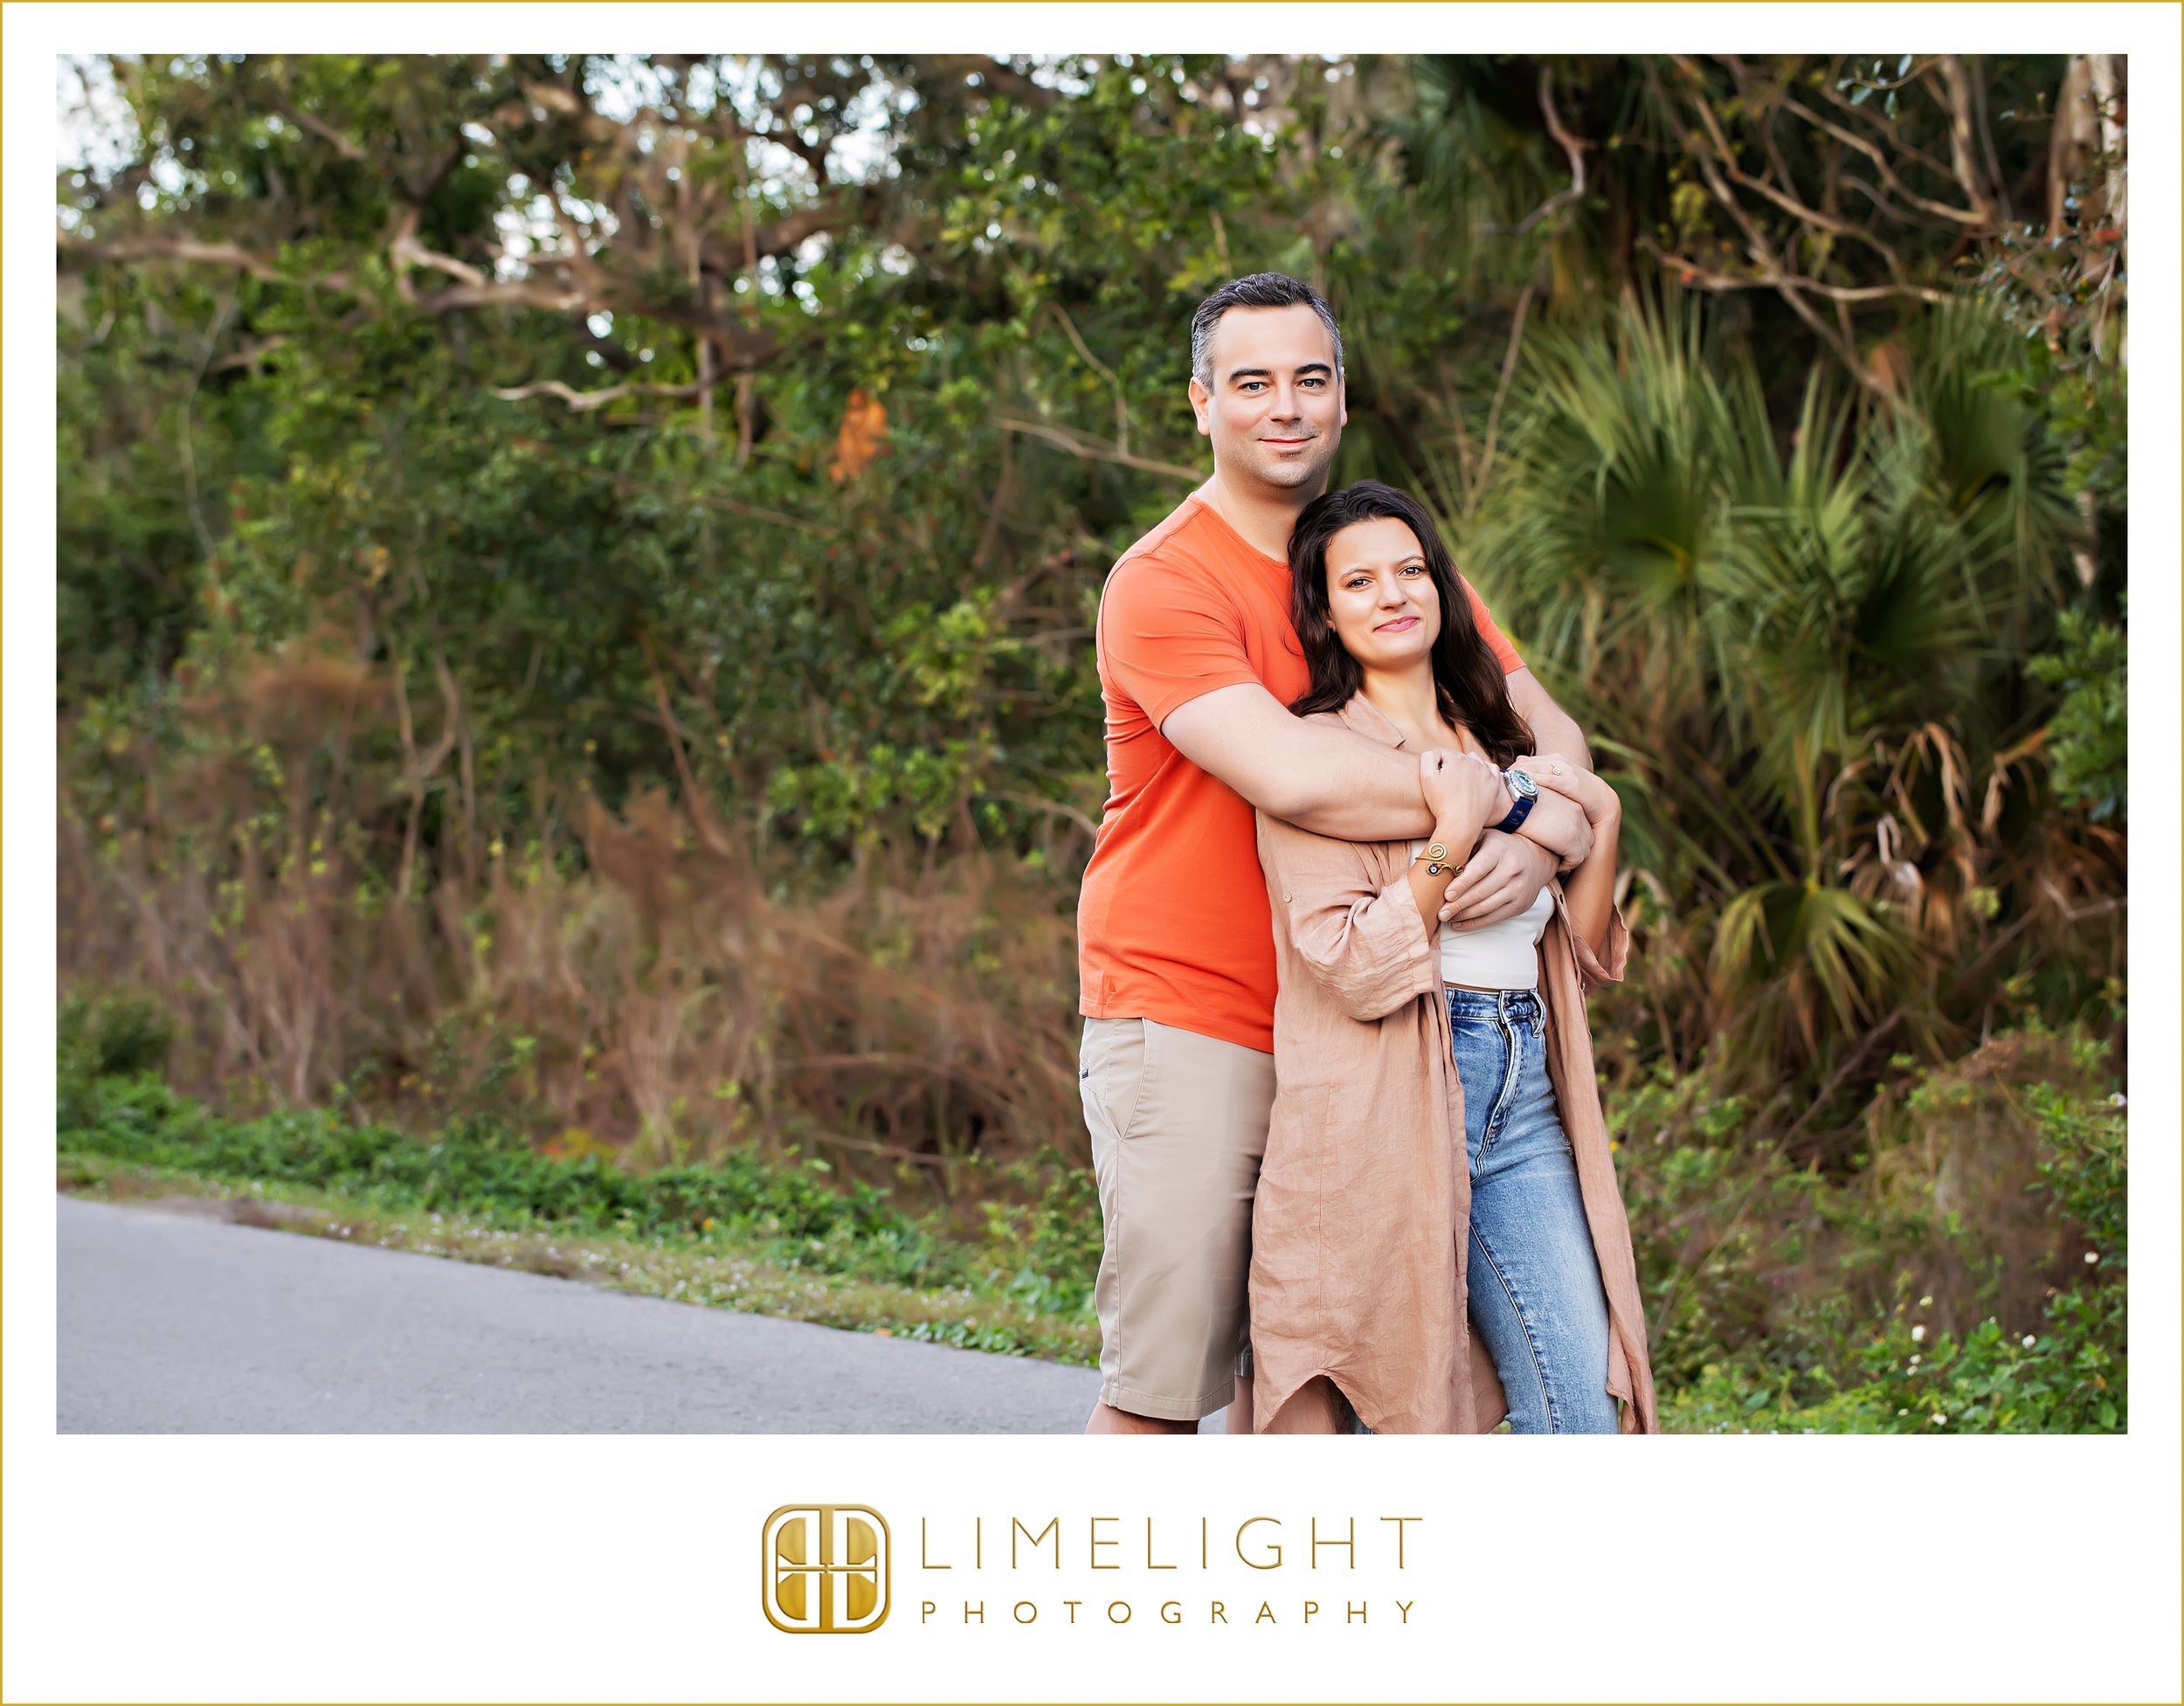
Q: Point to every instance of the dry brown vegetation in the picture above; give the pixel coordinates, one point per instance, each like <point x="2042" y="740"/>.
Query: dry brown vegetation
<point x="628" y="982"/>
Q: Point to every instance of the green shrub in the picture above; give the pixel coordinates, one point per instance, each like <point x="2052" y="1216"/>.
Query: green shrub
<point x="2091" y="732"/>
<point x="1046" y="1252"/>
<point x="483" y="1167"/>
<point x="117" y="1034"/>
<point x="1824" y="1358"/>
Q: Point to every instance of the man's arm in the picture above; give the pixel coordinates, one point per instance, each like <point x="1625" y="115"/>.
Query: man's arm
<point x="1328" y="780"/>
<point x="1552" y="729"/>
<point x="1321" y="778"/>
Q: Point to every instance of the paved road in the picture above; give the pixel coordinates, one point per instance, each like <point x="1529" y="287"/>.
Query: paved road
<point x="175" y="1323"/>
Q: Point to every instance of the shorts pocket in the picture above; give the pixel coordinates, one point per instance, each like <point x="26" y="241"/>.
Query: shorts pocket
<point x="1112" y="1069"/>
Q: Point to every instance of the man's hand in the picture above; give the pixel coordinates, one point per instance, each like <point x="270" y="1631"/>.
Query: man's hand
<point x="1558" y="824"/>
<point x="1573" y="781"/>
<point x="1502" y="878"/>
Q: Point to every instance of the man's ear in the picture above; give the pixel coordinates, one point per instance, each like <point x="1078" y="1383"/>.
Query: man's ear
<point x="1201" y="401"/>
<point x="1342" y="397"/>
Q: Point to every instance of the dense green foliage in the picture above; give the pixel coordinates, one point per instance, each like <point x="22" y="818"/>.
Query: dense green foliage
<point x="577" y="578"/>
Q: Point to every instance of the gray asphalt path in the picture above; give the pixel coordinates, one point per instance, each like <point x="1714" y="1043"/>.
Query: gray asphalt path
<point x="177" y="1323"/>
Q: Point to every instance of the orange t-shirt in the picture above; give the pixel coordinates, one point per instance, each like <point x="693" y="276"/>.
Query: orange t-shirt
<point x="1172" y="923"/>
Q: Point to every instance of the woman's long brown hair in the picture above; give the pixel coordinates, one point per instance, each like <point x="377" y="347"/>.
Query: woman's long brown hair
<point x="1467" y="678"/>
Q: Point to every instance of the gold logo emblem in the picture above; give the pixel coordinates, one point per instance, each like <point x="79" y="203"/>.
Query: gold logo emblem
<point x="825" y="1569"/>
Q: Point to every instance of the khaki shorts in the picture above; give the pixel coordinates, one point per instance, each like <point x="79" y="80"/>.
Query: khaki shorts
<point x="1178" y="1123"/>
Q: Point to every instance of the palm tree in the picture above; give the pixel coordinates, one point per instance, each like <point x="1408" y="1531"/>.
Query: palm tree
<point x="1799" y="644"/>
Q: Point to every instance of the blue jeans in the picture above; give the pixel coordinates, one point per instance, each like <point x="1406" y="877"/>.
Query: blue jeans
<point x="1535" y="1288"/>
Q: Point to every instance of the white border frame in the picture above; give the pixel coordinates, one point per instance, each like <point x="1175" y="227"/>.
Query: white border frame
<point x="529" y="1568"/>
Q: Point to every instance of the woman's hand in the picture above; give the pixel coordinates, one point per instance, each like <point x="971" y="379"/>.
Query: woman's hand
<point x="1573" y="781"/>
<point x="1464" y="794"/>
<point x="1463" y="791"/>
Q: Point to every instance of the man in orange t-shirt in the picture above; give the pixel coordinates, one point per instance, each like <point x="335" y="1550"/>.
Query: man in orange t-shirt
<point x="1199" y="661"/>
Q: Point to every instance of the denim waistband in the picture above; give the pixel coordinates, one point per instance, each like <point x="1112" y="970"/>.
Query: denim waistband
<point x="1514" y="1004"/>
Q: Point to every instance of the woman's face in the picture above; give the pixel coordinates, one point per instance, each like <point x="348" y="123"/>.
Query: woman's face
<point x="1380" y="598"/>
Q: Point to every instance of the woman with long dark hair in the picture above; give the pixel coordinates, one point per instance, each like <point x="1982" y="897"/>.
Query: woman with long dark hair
<point x="1438" y="1239"/>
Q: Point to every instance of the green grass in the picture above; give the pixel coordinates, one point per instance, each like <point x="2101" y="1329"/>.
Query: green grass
<point x="761" y="1236"/>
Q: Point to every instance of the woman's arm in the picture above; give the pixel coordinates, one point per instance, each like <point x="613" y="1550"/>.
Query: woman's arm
<point x="1359" y="938"/>
<point x="1464" y="793"/>
<point x="1590" y="890"/>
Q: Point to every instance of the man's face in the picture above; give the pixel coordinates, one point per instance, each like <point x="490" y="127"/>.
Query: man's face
<point x="1276" y="411"/>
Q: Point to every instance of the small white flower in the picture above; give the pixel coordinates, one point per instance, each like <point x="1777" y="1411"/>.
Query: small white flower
<point x="2116" y="1101"/>
<point x="2092" y="1256"/>
<point x="1926" y="1303"/>
<point x="1918" y="1334"/>
<point x="2031" y="1340"/>
<point x="1914" y="1361"/>
<point x="1939" y="1417"/>
<point x="1905" y="1412"/>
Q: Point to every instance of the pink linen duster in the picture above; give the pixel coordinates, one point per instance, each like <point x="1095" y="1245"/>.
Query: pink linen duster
<point x="1360" y="1230"/>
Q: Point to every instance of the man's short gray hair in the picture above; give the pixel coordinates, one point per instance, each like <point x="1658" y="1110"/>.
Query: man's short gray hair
<point x="1258" y="290"/>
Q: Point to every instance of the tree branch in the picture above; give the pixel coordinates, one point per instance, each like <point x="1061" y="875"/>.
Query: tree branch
<point x="1501" y="390"/>
<point x="326" y="132"/>
<point x="1956" y="84"/>
<point x="403" y="251"/>
<point x="1761" y="250"/>
<point x="725" y="257"/>
<point x="1040" y="802"/>
<point x="1572" y="147"/>
<point x="88" y="253"/>
<point x="1695" y="272"/>
<point x="1883" y="124"/>
<point x="1092" y="450"/>
<point x="1782" y="199"/>
<point x="743" y="347"/>
<point x="1121" y="403"/>
<point x="1986" y="144"/>
<point x="581" y="402"/>
<point x="515" y="294"/>
<point x="1925" y="204"/>
<point x="252" y="357"/>
<point x="579" y="258"/>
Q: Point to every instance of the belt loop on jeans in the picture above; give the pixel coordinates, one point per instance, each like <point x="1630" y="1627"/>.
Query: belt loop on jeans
<point x="1507" y="998"/>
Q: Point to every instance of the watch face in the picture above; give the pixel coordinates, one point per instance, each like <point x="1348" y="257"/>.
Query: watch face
<point x="1525" y="787"/>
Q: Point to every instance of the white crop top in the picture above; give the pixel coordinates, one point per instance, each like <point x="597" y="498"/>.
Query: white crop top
<point x="1503" y="955"/>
